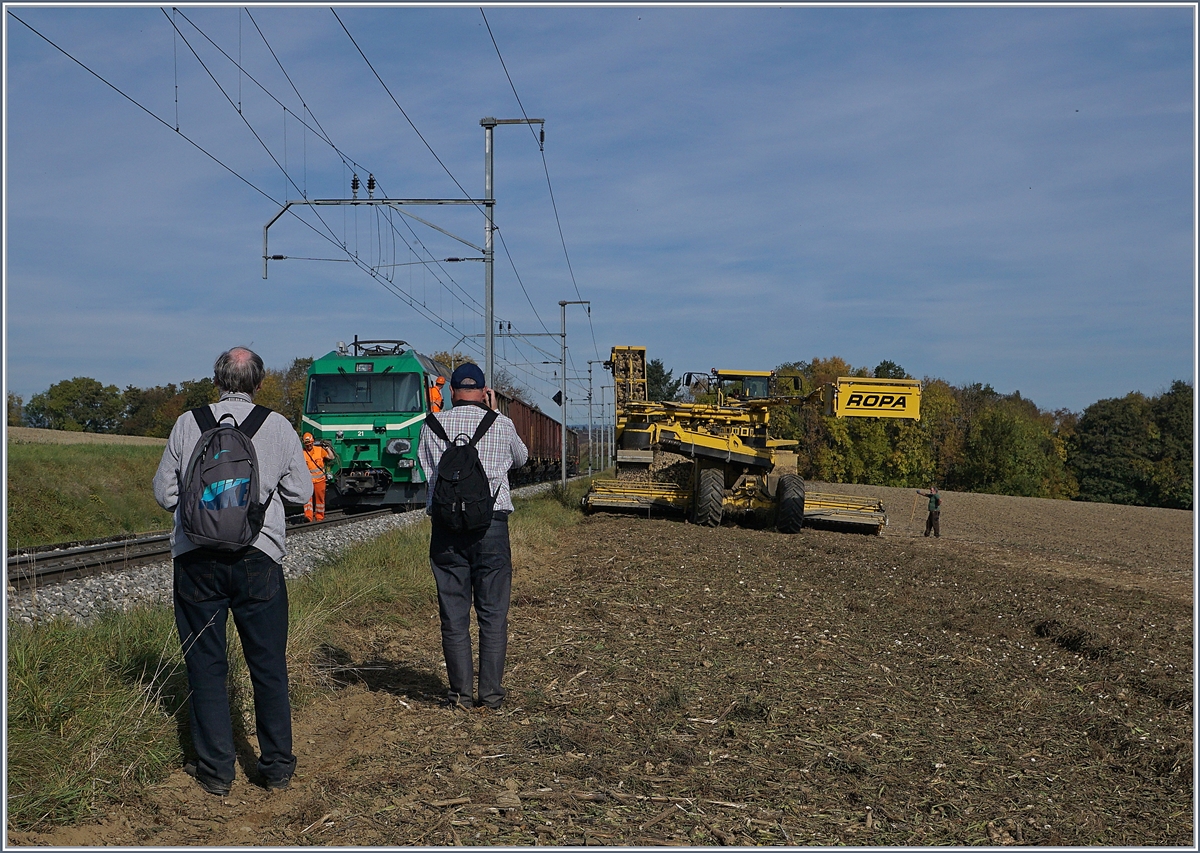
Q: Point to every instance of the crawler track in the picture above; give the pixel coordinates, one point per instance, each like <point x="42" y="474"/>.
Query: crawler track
<point x="50" y="564"/>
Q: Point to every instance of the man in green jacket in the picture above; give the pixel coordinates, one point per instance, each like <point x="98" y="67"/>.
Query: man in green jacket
<point x="935" y="511"/>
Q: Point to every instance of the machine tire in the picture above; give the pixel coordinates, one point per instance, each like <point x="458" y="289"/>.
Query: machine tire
<point x="789" y="515"/>
<point x="709" y="503"/>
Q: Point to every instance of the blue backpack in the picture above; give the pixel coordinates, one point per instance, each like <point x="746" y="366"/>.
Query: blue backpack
<point x="218" y="499"/>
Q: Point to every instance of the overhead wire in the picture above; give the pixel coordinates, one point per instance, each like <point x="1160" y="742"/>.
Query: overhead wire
<point x="408" y="298"/>
<point x="349" y="160"/>
<point x="550" y="188"/>
<point x="400" y="294"/>
<point x="546" y="169"/>
<point x="146" y="110"/>
<point x="421" y="136"/>
<point x="319" y="132"/>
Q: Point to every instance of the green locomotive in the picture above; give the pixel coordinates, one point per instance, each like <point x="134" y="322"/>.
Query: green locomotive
<point x="367" y="401"/>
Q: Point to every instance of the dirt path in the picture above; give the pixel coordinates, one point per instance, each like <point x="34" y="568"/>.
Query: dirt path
<point x="1027" y="679"/>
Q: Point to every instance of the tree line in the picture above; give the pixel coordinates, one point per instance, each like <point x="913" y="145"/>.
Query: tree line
<point x="84" y="404"/>
<point x="1135" y="449"/>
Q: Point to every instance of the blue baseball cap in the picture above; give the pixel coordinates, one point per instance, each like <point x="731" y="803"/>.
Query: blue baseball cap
<point x="467" y="376"/>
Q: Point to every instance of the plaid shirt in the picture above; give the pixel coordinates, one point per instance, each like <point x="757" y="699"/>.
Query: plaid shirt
<point x="500" y="450"/>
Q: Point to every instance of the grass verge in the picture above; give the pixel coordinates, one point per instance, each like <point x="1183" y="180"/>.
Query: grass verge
<point x="92" y="712"/>
<point x="69" y="492"/>
<point x="97" y="711"/>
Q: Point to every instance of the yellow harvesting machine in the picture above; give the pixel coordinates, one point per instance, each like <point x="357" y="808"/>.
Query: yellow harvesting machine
<point x="715" y="458"/>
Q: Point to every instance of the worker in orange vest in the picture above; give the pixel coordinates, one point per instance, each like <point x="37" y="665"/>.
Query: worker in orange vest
<point x="315" y="455"/>
<point x="435" y="394"/>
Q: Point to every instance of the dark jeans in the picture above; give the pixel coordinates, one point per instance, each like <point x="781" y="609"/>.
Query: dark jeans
<point x="209" y="584"/>
<point x="934" y="523"/>
<point x="473" y="568"/>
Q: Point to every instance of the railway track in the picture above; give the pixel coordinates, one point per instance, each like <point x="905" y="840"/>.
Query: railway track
<point x="49" y="564"/>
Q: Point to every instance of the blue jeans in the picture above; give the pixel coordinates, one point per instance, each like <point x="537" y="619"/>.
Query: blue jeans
<point x="208" y="585"/>
<point x="473" y="568"/>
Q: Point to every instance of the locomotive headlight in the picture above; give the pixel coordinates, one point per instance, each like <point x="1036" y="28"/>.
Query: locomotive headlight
<point x="398" y="446"/>
<point x="339" y="435"/>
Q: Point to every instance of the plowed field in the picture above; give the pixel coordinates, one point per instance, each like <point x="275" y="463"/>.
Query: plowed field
<point x="1026" y="679"/>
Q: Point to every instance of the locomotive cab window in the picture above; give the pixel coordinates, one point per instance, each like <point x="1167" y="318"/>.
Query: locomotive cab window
<point x="362" y="393"/>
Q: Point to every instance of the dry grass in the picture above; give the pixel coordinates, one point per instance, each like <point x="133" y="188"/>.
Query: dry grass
<point x="28" y="435"/>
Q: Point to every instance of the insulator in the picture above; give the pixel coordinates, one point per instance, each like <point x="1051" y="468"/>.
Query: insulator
<point x="354" y="185"/>
<point x="370" y="185"/>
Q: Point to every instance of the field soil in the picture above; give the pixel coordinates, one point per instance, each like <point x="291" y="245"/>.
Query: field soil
<point x="1026" y="680"/>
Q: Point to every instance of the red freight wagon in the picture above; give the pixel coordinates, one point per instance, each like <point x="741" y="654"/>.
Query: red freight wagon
<point x="543" y="436"/>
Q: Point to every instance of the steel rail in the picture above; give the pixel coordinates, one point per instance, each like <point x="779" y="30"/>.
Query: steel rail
<point x="50" y="564"/>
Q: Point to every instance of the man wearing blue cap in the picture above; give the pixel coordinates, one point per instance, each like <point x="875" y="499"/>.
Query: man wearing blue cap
<point x="474" y="566"/>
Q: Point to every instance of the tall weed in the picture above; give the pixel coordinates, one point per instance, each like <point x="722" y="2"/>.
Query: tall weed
<point x="93" y="713"/>
<point x="97" y="711"/>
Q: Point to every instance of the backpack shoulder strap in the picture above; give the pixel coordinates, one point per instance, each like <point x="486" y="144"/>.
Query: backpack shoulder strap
<point x="250" y="424"/>
<point x="204" y="418"/>
<point x="484" y="425"/>
<point x="435" y="426"/>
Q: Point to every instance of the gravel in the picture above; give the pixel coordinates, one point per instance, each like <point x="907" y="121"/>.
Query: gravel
<point x="83" y="599"/>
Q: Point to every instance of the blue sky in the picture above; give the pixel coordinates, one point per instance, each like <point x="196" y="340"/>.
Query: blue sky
<point x="994" y="195"/>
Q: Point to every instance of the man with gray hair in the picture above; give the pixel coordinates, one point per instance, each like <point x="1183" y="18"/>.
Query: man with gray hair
<point x="249" y="582"/>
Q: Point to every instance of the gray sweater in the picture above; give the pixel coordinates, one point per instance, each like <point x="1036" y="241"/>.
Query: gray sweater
<point x="281" y="467"/>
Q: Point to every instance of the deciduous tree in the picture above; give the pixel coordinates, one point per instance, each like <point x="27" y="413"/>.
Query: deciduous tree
<point x="1136" y="450"/>
<point x="81" y="404"/>
<point x="16" y="410"/>
<point x="889" y="370"/>
<point x="145" y="410"/>
<point x="283" y="390"/>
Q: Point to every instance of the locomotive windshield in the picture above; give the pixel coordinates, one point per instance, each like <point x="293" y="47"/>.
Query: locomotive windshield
<point x="337" y="393"/>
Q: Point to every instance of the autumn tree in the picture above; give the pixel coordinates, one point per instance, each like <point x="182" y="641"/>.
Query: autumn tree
<point x="1009" y="450"/>
<point x="1172" y="478"/>
<point x="81" y="404"/>
<point x="283" y="390"/>
<point x="941" y="429"/>
<point x="16" y="410"/>
<point x="452" y="359"/>
<point x="822" y="370"/>
<point x="145" y="410"/>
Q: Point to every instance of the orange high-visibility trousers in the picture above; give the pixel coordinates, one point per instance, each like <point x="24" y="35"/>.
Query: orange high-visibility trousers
<point x="314" y="510"/>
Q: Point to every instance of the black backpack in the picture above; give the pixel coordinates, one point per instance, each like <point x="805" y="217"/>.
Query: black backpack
<point x="462" y="498"/>
<point x="218" y="500"/>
